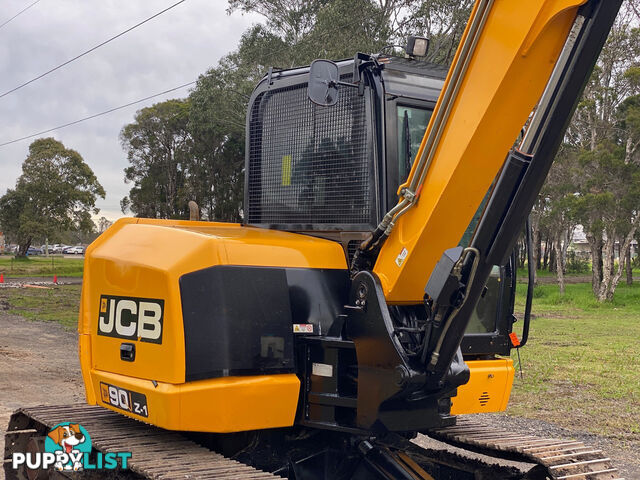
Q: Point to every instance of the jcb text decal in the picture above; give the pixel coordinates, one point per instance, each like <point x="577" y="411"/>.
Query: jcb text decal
<point x="131" y="318"/>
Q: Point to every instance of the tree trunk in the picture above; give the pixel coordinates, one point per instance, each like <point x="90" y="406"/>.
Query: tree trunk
<point x="566" y="240"/>
<point x="607" y="267"/>
<point x="612" y="265"/>
<point x="552" y="256"/>
<point x="24" y="247"/>
<point x="557" y="245"/>
<point x="547" y="249"/>
<point x="537" y="245"/>
<point x="607" y="290"/>
<point x="536" y="252"/>
<point x="629" y="150"/>
<point x="629" y="268"/>
<point x="595" y="244"/>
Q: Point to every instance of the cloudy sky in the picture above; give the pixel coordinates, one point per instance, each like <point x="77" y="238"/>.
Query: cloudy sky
<point x="168" y="51"/>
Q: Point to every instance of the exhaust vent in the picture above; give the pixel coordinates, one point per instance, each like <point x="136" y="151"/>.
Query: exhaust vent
<point x="484" y="399"/>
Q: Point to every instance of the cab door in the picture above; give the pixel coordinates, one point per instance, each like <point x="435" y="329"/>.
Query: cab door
<point x="492" y="321"/>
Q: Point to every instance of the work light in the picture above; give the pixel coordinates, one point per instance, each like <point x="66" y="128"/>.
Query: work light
<point x="417" y="46"/>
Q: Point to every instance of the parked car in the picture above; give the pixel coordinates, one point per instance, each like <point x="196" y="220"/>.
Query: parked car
<point x="77" y="250"/>
<point x="50" y="248"/>
<point x="57" y="248"/>
<point x="34" y="251"/>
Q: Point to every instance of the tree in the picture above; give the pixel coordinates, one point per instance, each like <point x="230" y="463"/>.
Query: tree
<point x="157" y="145"/>
<point x="443" y="22"/>
<point x="300" y="31"/>
<point x="217" y="125"/>
<point x="57" y="191"/>
<point x="605" y="136"/>
<point x="104" y="224"/>
<point x="557" y="208"/>
<point x="535" y="224"/>
<point x="289" y="19"/>
<point x="609" y="208"/>
<point x="628" y="122"/>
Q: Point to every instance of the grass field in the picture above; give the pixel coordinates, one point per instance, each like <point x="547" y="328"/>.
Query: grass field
<point x="581" y="366"/>
<point x="41" y="266"/>
<point x="55" y="304"/>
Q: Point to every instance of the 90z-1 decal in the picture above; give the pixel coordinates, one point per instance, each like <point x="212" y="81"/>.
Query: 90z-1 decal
<point x="124" y="399"/>
<point x="131" y="318"/>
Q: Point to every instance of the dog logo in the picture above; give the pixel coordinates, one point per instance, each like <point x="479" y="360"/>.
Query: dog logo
<point x="68" y="447"/>
<point x="69" y="442"/>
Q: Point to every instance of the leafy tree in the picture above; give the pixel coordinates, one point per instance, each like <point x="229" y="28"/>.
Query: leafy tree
<point x="609" y="204"/>
<point x="556" y="209"/>
<point x="103" y="224"/>
<point x="628" y="123"/>
<point x="289" y="19"/>
<point x="301" y="31"/>
<point x="443" y="22"/>
<point x="157" y="145"/>
<point x="57" y="191"/>
<point x="605" y="137"/>
<point x="216" y="173"/>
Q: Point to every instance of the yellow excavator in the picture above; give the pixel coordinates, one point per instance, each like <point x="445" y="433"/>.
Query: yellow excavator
<point x="367" y="297"/>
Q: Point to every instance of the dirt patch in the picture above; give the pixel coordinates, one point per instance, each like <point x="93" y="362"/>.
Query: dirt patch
<point x="38" y="366"/>
<point x="48" y="280"/>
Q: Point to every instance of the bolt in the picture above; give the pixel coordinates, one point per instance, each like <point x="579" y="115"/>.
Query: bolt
<point x="401" y="375"/>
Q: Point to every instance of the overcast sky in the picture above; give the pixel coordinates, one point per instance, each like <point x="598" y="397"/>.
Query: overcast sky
<point x="168" y="51"/>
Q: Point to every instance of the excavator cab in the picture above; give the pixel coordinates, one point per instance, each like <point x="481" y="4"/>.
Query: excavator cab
<point x="332" y="169"/>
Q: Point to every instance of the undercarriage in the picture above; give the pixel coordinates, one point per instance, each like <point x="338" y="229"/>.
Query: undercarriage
<point x="302" y="453"/>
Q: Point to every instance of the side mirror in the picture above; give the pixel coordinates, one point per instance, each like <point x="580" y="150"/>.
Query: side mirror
<point x="323" y="83"/>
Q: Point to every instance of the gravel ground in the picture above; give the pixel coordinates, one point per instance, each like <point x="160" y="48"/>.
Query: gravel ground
<point x="39" y="365"/>
<point x="11" y="282"/>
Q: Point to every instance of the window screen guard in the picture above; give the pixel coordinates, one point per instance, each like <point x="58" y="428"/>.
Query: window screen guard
<point x="310" y="167"/>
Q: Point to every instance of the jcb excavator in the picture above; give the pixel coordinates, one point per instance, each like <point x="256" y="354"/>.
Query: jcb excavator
<point x="367" y="297"/>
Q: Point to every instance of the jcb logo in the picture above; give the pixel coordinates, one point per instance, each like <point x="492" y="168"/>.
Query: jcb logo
<point x="131" y="318"/>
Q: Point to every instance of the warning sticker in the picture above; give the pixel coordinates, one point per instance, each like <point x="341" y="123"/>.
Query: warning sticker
<point x="303" y="328"/>
<point x="321" y="370"/>
<point x="286" y="171"/>
<point x="401" y="256"/>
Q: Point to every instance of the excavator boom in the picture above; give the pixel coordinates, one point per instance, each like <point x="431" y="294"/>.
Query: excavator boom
<point x="504" y="62"/>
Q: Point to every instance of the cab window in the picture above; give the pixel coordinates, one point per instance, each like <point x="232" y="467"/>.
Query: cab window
<point x="412" y="123"/>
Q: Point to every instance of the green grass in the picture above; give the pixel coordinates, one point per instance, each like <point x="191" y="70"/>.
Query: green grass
<point x="523" y="274"/>
<point x="582" y="363"/>
<point x="57" y="304"/>
<point x="41" y="266"/>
